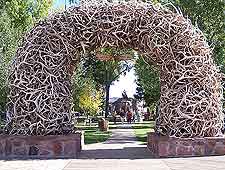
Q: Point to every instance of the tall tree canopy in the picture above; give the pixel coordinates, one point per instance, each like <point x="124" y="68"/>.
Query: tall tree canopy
<point x="105" y="72"/>
<point x="87" y="97"/>
<point x="148" y="82"/>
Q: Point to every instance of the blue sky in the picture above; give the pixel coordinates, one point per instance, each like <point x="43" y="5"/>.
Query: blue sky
<point x="58" y="3"/>
<point x="126" y="82"/>
<point x="61" y="3"/>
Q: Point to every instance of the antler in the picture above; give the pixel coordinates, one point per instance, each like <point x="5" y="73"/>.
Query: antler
<point x="40" y="79"/>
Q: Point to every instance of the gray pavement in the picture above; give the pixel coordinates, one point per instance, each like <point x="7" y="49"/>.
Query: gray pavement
<point x="121" y="145"/>
<point x="120" y="152"/>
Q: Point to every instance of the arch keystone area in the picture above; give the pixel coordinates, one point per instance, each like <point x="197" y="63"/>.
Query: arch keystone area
<point x="40" y="77"/>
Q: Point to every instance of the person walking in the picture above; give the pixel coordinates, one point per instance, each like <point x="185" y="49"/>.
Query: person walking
<point x="122" y="115"/>
<point x="114" y="116"/>
<point x="129" y="116"/>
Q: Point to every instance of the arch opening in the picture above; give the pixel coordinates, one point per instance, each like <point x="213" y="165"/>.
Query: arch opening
<point x="40" y="79"/>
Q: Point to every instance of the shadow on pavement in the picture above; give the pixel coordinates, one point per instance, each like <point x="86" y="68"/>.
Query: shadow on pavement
<point x="123" y="153"/>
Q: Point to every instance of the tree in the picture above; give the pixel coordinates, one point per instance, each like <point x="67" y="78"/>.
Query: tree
<point x="105" y="72"/>
<point x="16" y="17"/>
<point x="25" y="13"/>
<point x="8" y="42"/>
<point x="90" y="100"/>
<point x="148" y="85"/>
<point x="87" y="97"/>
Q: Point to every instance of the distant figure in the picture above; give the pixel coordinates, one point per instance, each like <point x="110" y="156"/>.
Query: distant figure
<point x="129" y="116"/>
<point x="114" y="116"/>
<point x="122" y="115"/>
<point x="124" y="95"/>
<point x="147" y="114"/>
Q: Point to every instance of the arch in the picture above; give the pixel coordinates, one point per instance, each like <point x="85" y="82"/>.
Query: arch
<point x="40" y="79"/>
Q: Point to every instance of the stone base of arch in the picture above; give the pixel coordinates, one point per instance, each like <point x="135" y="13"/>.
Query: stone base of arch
<point x="40" y="147"/>
<point x="164" y="146"/>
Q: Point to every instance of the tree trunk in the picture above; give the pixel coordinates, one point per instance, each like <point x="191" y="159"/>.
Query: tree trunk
<point x="107" y="100"/>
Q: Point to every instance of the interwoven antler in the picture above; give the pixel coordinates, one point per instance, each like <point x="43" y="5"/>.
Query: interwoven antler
<point x="40" y="79"/>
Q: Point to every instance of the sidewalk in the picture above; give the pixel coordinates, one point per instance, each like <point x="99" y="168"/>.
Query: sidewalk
<point x="121" y="151"/>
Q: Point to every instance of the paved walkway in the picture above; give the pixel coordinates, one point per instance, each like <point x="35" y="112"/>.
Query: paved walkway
<point x="121" y="152"/>
<point x="121" y="145"/>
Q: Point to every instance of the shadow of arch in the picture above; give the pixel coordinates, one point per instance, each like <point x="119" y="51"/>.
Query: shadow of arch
<point x="40" y="79"/>
<point x="123" y="153"/>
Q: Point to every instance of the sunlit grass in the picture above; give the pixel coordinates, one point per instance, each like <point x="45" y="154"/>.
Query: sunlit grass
<point x="93" y="135"/>
<point x="141" y="130"/>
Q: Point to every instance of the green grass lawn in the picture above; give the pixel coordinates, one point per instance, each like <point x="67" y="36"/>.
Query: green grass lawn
<point x="93" y="135"/>
<point x="141" y="130"/>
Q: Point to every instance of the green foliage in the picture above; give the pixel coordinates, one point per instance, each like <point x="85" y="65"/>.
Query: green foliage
<point x="90" y="99"/>
<point x="87" y="97"/>
<point x="25" y="13"/>
<point x="104" y="73"/>
<point x="93" y="77"/>
<point x="8" y="43"/>
<point x="148" y="82"/>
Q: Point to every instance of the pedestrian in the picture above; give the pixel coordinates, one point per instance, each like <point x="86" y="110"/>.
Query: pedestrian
<point x="114" y="117"/>
<point x="129" y="116"/>
<point x="122" y="115"/>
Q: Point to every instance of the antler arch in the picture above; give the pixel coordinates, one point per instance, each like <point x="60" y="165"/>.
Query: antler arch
<point x="40" y="79"/>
